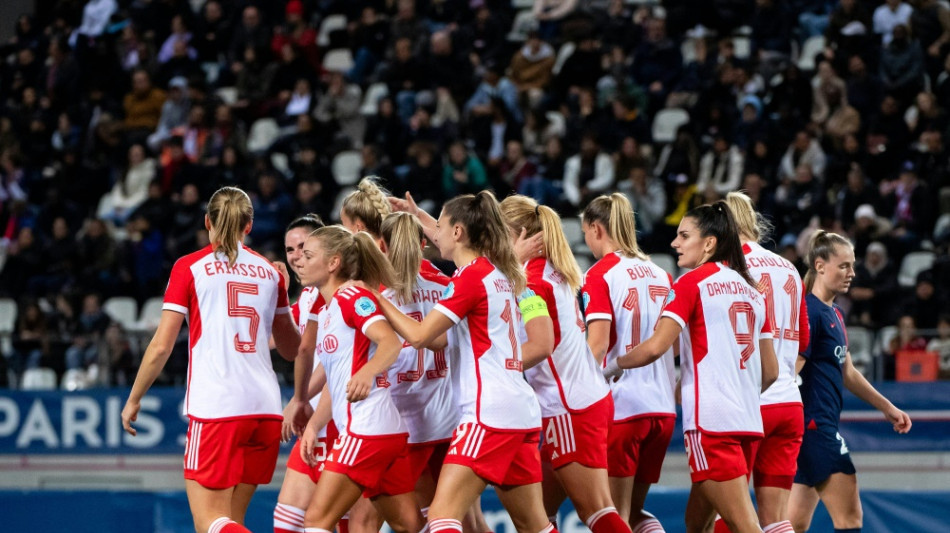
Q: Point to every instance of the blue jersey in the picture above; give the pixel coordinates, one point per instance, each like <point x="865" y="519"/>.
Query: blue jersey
<point x="822" y="382"/>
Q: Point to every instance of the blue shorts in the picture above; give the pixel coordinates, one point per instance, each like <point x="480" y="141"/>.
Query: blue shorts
<point x="823" y="453"/>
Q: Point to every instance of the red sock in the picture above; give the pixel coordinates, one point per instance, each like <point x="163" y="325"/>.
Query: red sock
<point x="721" y="526"/>
<point x="226" y="525"/>
<point x="607" y="520"/>
<point x="343" y="526"/>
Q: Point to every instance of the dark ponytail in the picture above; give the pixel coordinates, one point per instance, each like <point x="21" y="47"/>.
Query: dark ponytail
<point x="716" y="220"/>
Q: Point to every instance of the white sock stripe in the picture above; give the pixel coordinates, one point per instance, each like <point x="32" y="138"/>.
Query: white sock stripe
<point x="425" y="528"/>
<point x="651" y="525"/>
<point x="592" y="519"/>
<point x="425" y="513"/>
<point x="288" y="516"/>
<point x="444" y="524"/>
<point x="290" y="509"/>
<point x="779" y="527"/>
<point x="218" y="524"/>
<point x="548" y="529"/>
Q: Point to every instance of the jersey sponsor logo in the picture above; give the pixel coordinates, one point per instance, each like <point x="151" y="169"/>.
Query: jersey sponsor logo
<point x="364" y="306"/>
<point x="841" y="352"/>
<point x="449" y="291"/>
<point x="330" y="344"/>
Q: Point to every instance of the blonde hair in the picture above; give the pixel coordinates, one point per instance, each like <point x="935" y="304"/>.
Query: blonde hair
<point x="487" y="233"/>
<point x="360" y="258"/>
<point x="751" y="224"/>
<point x="524" y="212"/>
<point x="230" y="211"/>
<point x="822" y="245"/>
<point x="368" y="203"/>
<point x="403" y="236"/>
<point x="616" y="215"/>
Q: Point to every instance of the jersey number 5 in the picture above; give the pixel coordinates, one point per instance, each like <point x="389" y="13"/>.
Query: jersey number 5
<point x="236" y="310"/>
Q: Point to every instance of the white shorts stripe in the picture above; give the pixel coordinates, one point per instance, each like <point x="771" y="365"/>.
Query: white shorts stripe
<point x="471" y="433"/>
<point x="696" y="443"/>
<point x="356" y="451"/>
<point x="478" y="444"/>
<point x="561" y="432"/>
<point x="570" y="431"/>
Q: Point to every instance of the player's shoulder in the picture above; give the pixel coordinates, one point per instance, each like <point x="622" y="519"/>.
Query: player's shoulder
<point x="356" y="299"/>
<point x="257" y="258"/>
<point x="699" y="274"/>
<point x="187" y="261"/>
<point x="475" y="271"/>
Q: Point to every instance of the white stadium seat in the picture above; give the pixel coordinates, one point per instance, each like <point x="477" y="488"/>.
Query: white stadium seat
<point x="914" y="263"/>
<point x="123" y="310"/>
<point x="346" y="167"/>
<point x="666" y="122"/>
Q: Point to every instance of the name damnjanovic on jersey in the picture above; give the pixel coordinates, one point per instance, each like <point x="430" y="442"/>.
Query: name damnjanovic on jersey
<point x="717" y="288"/>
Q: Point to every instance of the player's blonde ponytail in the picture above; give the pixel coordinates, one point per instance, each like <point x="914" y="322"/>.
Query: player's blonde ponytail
<point x="615" y="213"/>
<point x="524" y="212"/>
<point x="360" y="258"/>
<point x="367" y="204"/>
<point x="230" y="211"/>
<point x="752" y="225"/>
<point x="403" y="236"/>
<point x="487" y="233"/>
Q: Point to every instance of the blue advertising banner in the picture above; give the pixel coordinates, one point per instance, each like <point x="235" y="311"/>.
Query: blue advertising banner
<point x="167" y="512"/>
<point x="57" y="422"/>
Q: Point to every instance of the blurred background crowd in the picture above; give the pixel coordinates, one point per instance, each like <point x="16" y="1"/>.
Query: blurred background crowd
<point x="118" y="118"/>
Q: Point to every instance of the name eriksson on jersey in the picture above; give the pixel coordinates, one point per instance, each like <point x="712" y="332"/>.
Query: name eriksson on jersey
<point x="239" y="269"/>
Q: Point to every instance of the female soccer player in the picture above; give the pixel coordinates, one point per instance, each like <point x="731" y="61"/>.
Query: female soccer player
<point x="356" y="346"/>
<point x="233" y="299"/>
<point x="774" y="458"/>
<point x="365" y="208"/>
<point x="623" y="294"/>
<point x="727" y="360"/>
<point x="300" y="479"/>
<point x="420" y="381"/>
<point x="494" y="442"/>
<point x="576" y="404"/>
<point x="825" y="470"/>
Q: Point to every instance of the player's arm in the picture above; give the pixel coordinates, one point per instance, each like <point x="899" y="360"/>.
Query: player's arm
<point x="408" y="205"/>
<point x="321" y="417"/>
<point x="156" y="355"/>
<point x="648" y="351"/>
<point x="303" y="363"/>
<point x="598" y="338"/>
<point x="800" y="364"/>
<point x="769" y="362"/>
<point x="540" y="329"/>
<point x="286" y="336"/>
<point x="430" y="333"/>
<point x="388" y="346"/>
<point x="860" y="387"/>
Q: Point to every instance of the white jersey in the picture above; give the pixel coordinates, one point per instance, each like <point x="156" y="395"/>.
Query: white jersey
<point x="723" y="319"/>
<point x="230" y="312"/>
<point x="344" y="348"/>
<point x="421" y="387"/>
<point x="630" y="292"/>
<point x="492" y="389"/>
<point x="307" y="301"/>
<point x="569" y="380"/>
<point x="785" y="310"/>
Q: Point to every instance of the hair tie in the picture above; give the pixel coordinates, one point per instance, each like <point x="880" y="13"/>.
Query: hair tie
<point x="537" y="210"/>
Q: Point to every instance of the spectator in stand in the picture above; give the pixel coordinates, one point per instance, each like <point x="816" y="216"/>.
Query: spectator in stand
<point x="908" y="338"/>
<point x="339" y="106"/>
<point x="515" y="167"/>
<point x="799" y="199"/>
<point x="179" y="34"/>
<point x="930" y="160"/>
<point x="659" y="63"/>
<point x="271" y="212"/>
<point x="720" y="169"/>
<point x="838" y="119"/>
<point x="485" y="36"/>
<point x="424" y="176"/>
<point x="864" y="89"/>
<point x="531" y="67"/>
<point x="926" y="115"/>
<point x="913" y="208"/>
<point x="213" y="33"/>
<point x="941" y="345"/>
<point x="407" y="24"/>
<point x="902" y="66"/>
<point x="771" y="35"/>
<point x="925" y="304"/>
<point x="463" y="172"/>
<point x="143" y="105"/>
<point x="250" y="33"/>
<point x="404" y="76"/>
<point x="868" y="227"/>
<point x="588" y="173"/>
<point x="298" y="33"/>
<point x="188" y="216"/>
<point x="368" y="38"/>
<point x="930" y="26"/>
<point x="96" y="257"/>
<point x="141" y="268"/>
<point x="849" y="31"/>
<point x="24" y="260"/>
<point x="888" y="16"/>
<point x="90" y="326"/>
<point x="887" y="141"/>
<point x="874" y="288"/>
<point x="494" y="85"/>
<point x="806" y="151"/>
<point x="647" y="196"/>
<point x="30" y="341"/>
<point x="681" y="157"/>
<point x="59" y="260"/>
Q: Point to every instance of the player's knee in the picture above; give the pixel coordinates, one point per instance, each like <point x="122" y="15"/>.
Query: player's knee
<point x="800" y="523"/>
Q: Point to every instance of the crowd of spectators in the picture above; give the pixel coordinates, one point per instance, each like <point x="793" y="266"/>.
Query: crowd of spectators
<point x="118" y="118"/>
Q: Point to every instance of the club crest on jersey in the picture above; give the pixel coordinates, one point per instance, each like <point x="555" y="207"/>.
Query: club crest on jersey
<point x="330" y="344"/>
<point x="669" y="298"/>
<point x="586" y="298"/>
<point x="449" y="291"/>
<point x="365" y="306"/>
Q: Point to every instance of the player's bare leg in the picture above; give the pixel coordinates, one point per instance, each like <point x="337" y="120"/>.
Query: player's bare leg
<point x="401" y="512"/>
<point x="474" y="521"/>
<point x="524" y="504"/>
<point x="772" y="504"/>
<point x="364" y="518"/>
<point x="332" y="498"/>
<point x="208" y="506"/>
<point x="293" y="499"/>
<point x="240" y="500"/>
<point x="554" y="494"/>
<point x="842" y="499"/>
<point x="801" y="506"/>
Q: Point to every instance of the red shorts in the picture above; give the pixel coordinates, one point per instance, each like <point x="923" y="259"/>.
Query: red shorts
<point x="500" y="457"/>
<point x="579" y="437"/>
<point x="637" y="447"/>
<point x="380" y="465"/>
<point x="429" y="457"/>
<point x="220" y="455"/>
<point x="718" y="457"/>
<point x="296" y="463"/>
<point x="775" y="457"/>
